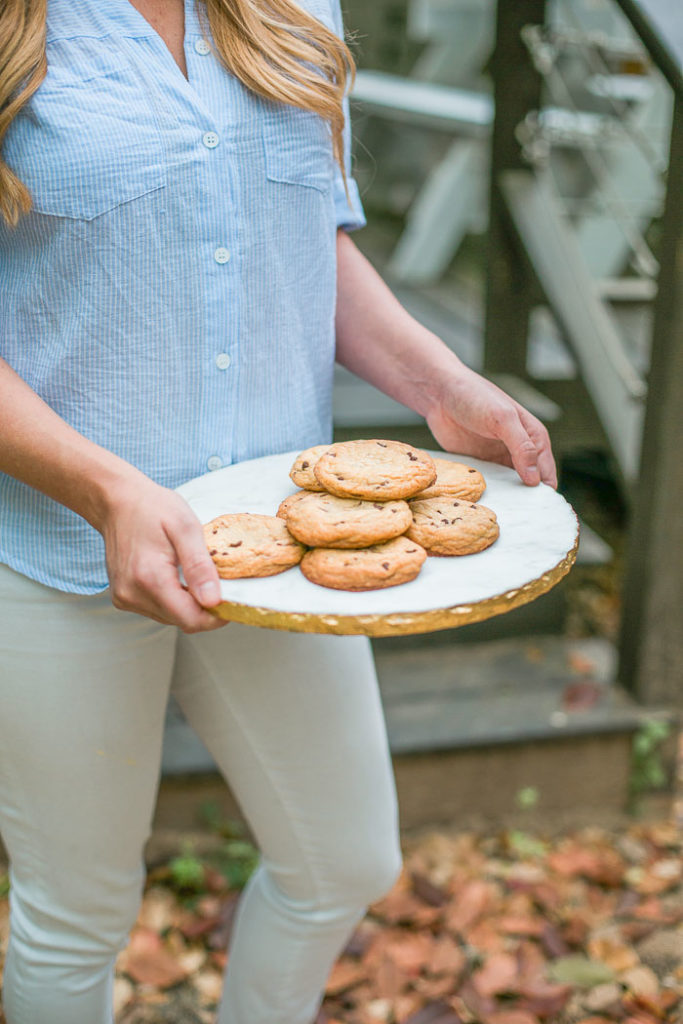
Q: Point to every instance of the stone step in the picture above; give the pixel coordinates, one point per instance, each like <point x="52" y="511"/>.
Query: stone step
<point x="445" y="697"/>
<point x="526" y="730"/>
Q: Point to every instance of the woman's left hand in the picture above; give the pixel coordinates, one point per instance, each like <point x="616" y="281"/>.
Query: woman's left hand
<point x="474" y="417"/>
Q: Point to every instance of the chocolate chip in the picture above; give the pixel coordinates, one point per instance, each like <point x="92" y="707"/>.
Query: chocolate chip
<point x="473" y="506"/>
<point x="305" y="465"/>
<point x="413" y="458"/>
<point x="213" y="552"/>
<point x="377" y="504"/>
<point x="445" y="521"/>
<point x="214" y="531"/>
<point x="385" y="565"/>
<point x="471" y="471"/>
<point x="381" y="444"/>
<point x="455" y="504"/>
<point x="237" y="544"/>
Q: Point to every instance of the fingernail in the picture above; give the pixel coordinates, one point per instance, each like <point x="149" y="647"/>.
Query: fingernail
<point x="209" y="593"/>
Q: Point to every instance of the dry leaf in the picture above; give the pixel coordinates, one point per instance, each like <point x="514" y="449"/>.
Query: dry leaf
<point x="511" y="1016"/>
<point x="498" y="974"/>
<point x="209" y="985"/>
<point x="344" y="975"/>
<point x="148" y="961"/>
<point x="123" y="993"/>
<point x="470" y="902"/>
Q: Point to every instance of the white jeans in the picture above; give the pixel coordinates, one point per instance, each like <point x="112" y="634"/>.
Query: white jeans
<point x="295" y="724"/>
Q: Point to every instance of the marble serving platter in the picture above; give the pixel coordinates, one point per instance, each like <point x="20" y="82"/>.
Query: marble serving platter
<point x="536" y="548"/>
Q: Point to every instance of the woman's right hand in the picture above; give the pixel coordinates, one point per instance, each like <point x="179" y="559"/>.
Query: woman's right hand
<point x="149" y="533"/>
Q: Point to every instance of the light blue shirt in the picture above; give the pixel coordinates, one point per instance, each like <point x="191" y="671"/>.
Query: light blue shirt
<point x="172" y="293"/>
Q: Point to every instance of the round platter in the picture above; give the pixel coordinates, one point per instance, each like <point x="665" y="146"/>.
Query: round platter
<point x="539" y="536"/>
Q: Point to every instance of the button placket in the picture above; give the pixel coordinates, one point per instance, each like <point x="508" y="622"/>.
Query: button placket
<point x="210" y="140"/>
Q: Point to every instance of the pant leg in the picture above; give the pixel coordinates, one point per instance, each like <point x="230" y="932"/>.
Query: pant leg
<point x="83" y="691"/>
<point x="296" y="725"/>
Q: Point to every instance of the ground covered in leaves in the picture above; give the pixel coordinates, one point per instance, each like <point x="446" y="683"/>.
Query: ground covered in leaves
<point x="504" y="928"/>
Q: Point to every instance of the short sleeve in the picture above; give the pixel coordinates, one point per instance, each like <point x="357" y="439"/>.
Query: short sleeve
<point x="349" y="211"/>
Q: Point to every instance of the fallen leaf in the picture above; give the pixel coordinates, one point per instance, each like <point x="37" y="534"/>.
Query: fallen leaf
<point x="469" y="903"/>
<point x="123" y="993"/>
<point x="579" y="970"/>
<point x="435" y="1013"/>
<point x="544" y="999"/>
<point x="344" y="975"/>
<point x="498" y="974"/>
<point x="427" y="891"/>
<point x="511" y="1016"/>
<point x="209" y="985"/>
<point x="148" y="962"/>
<point x="447" y="957"/>
<point x="581" y="695"/>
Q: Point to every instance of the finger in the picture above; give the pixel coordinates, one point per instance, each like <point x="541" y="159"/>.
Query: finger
<point x="521" y="446"/>
<point x="157" y="598"/>
<point x="541" y="438"/>
<point x="198" y="567"/>
<point x="179" y="606"/>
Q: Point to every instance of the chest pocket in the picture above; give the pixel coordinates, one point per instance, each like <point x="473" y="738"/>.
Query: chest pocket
<point x="297" y="147"/>
<point x="85" y="144"/>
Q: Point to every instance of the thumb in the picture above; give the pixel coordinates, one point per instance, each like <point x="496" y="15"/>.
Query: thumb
<point x="198" y="567"/>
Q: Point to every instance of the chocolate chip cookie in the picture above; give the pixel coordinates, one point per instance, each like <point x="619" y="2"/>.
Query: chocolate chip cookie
<point x="287" y="503"/>
<point x="381" y="565"/>
<point x="455" y="480"/>
<point x="447" y="526"/>
<point x="246" y="544"/>
<point x="374" y="469"/>
<point x="324" y="520"/>
<point x="301" y="472"/>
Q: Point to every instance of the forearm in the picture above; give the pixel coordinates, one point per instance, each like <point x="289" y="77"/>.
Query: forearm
<point x="378" y="340"/>
<point x="39" y="448"/>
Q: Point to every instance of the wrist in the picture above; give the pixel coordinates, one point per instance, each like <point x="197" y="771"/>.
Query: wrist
<point x="443" y="379"/>
<point x="110" y="485"/>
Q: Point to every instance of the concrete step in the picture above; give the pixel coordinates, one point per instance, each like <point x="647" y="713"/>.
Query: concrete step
<point x="500" y="692"/>
<point x="476" y="731"/>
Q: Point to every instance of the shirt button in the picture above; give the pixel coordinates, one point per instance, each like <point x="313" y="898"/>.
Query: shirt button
<point x="223" y="360"/>
<point x="210" y="140"/>
<point x="221" y="255"/>
<point x="214" y="462"/>
<point x="201" y="46"/>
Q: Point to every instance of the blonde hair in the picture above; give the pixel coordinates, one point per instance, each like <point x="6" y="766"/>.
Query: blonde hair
<point x="275" y="48"/>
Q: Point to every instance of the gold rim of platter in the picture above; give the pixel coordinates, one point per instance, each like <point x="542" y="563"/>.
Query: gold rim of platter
<point x="400" y="623"/>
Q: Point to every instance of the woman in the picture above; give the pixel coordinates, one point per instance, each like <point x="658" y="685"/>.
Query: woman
<point x="175" y="273"/>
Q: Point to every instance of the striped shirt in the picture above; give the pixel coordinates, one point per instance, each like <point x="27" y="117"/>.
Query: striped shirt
<point x="172" y="293"/>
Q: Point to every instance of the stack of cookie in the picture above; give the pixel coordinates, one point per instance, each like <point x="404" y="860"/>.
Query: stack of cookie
<point x="366" y="517"/>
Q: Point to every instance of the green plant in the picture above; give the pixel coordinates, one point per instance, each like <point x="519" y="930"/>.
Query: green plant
<point x="187" y="873"/>
<point x="236" y="860"/>
<point x="212" y="817"/>
<point x="527" y="797"/>
<point x="521" y="844"/>
<point x="237" y="857"/>
<point x="647" y="767"/>
<point x="4" y="886"/>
